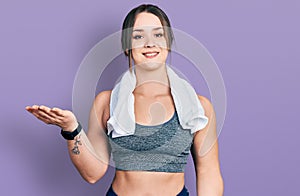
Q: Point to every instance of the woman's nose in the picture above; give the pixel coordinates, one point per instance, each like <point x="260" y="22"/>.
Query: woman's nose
<point x="149" y="43"/>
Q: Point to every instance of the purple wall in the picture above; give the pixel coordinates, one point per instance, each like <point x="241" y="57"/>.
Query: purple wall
<point x="255" y="44"/>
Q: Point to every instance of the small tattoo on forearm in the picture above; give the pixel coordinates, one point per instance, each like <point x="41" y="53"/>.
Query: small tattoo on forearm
<point x="77" y="142"/>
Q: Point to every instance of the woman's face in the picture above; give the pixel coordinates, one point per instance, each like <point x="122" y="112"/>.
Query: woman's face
<point x="149" y="46"/>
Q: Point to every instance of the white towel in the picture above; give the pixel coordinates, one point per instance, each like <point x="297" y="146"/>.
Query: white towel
<point x="122" y="118"/>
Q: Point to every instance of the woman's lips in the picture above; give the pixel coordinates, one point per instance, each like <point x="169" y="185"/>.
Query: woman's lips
<point x="150" y="54"/>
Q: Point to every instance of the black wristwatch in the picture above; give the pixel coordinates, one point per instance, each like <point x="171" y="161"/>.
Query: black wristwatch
<point x="71" y="135"/>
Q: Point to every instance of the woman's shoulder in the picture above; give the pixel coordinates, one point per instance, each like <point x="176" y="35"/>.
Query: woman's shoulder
<point x="103" y="98"/>
<point x="206" y="104"/>
<point x="104" y="94"/>
<point x="101" y="104"/>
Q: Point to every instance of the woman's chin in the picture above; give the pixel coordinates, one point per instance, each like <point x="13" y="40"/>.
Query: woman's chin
<point x="150" y="65"/>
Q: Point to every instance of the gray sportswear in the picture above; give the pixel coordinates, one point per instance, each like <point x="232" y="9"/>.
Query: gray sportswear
<point x="160" y="148"/>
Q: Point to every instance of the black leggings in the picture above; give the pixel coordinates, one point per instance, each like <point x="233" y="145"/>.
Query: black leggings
<point x="183" y="192"/>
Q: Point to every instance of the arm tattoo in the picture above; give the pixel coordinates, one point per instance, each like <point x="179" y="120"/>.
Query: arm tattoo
<point x="77" y="142"/>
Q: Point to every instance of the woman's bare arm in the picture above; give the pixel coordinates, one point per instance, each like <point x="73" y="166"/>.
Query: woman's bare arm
<point x="205" y="155"/>
<point x="92" y="157"/>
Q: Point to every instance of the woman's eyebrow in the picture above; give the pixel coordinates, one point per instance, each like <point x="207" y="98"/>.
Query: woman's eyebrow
<point x="141" y="30"/>
<point x="138" y="30"/>
<point x="157" y="28"/>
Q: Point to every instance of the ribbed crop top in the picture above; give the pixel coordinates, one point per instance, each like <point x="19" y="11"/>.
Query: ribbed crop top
<point x="160" y="148"/>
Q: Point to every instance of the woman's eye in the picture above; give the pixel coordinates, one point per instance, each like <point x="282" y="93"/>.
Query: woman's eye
<point x="158" y="35"/>
<point x="137" y="37"/>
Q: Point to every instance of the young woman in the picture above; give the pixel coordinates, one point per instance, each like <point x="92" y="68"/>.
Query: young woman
<point x="146" y="40"/>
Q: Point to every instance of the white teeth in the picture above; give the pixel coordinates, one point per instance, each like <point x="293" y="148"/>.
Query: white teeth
<point x="151" y="54"/>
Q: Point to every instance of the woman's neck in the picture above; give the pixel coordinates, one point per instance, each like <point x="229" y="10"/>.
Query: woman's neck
<point x="152" y="82"/>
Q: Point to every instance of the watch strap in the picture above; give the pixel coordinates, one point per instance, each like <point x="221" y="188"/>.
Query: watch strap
<point x="71" y="135"/>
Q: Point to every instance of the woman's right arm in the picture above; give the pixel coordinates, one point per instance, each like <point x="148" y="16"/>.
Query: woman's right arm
<point x="93" y="153"/>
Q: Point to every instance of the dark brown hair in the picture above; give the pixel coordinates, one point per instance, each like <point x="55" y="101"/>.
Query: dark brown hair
<point x="129" y="23"/>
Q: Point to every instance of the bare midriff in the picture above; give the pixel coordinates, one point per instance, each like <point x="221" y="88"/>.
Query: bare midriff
<point x="147" y="183"/>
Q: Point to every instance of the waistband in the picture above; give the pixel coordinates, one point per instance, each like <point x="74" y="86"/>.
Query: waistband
<point x="183" y="192"/>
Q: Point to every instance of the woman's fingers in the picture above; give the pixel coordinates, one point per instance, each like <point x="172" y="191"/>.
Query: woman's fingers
<point x="63" y="118"/>
<point x="49" y="112"/>
<point x="45" y="110"/>
<point x="43" y="117"/>
<point x="31" y="108"/>
<point x="45" y="114"/>
<point x="58" y="112"/>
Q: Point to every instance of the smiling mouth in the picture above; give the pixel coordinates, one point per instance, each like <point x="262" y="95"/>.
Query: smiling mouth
<point x="150" y="54"/>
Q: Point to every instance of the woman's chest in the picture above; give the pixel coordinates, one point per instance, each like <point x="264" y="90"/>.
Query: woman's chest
<point x="153" y="111"/>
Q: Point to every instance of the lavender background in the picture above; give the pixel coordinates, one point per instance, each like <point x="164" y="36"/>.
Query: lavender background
<point x="255" y="44"/>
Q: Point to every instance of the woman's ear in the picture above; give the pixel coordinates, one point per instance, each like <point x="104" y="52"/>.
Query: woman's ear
<point x="126" y="52"/>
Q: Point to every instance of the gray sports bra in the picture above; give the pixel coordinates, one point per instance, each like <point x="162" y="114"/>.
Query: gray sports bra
<point x="160" y="148"/>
